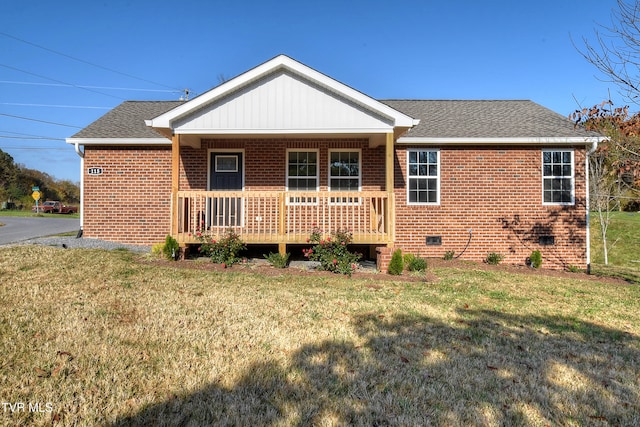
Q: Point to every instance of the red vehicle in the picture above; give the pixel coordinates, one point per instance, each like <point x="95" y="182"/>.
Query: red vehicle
<point x="54" y="206"/>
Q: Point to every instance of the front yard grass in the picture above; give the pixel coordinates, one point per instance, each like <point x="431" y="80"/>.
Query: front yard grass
<point x="104" y="338"/>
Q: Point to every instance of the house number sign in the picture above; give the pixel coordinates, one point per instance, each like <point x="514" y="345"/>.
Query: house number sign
<point x="94" y="171"/>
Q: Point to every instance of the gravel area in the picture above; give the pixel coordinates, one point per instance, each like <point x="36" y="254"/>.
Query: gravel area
<point x="83" y="242"/>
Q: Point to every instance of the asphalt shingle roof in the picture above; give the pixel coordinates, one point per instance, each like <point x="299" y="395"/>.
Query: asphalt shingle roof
<point x="484" y="119"/>
<point x="438" y="119"/>
<point x="127" y="120"/>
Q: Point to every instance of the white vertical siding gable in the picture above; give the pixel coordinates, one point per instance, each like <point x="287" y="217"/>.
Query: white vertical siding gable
<point x="283" y="101"/>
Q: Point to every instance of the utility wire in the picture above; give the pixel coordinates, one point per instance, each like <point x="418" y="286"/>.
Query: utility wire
<point x="87" y="62"/>
<point x="31" y="137"/>
<point x="59" y="81"/>
<point x="90" y="86"/>
<point x="24" y="135"/>
<point x="40" y="121"/>
<point x="22" y="104"/>
<point x="31" y="148"/>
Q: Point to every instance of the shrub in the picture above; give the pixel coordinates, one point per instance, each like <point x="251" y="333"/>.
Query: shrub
<point x="224" y="251"/>
<point x="157" y="250"/>
<point x="574" y="269"/>
<point x="448" y="256"/>
<point x="494" y="258"/>
<point x="408" y="259"/>
<point x="332" y="252"/>
<point x="536" y="259"/>
<point x="417" y="264"/>
<point x="396" y="266"/>
<point x="171" y="249"/>
<point x="277" y="259"/>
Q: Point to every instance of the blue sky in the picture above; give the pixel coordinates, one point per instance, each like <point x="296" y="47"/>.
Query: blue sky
<point x="429" y="49"/>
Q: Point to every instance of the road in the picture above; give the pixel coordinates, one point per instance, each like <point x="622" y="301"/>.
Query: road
<point x="17" y="229"/>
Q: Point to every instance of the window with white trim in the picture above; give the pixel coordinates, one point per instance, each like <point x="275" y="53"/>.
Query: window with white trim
<point x="423" y="172"/>
<point x="344" y="170"/>
<point x="344" y="173"/>
<point x="557" y="177"/>
<point x="302" y="174"/>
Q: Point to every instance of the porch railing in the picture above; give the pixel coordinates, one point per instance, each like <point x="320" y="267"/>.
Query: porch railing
<point x="283" y="217"/>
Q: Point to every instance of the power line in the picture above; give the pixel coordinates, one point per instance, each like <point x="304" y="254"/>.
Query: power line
<point x="59" y="81"/>
<point x="40" y="121"/>
<point x="87" y="62"/>
<point x="32" y="137"/>
<point x="31" y="148"/>
<point x="90" y="86"/>
<point x="22" y="104"/>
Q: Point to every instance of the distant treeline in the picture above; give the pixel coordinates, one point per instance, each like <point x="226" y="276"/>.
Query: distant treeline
<point x="17" y="181"/>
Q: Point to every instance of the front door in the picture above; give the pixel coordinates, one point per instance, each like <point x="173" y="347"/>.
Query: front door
<point x="225" y="174"/>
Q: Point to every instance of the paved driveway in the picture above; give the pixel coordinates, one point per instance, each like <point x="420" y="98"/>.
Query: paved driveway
<point x="17" y="229"/>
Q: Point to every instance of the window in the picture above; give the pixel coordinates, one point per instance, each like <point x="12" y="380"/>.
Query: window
<point x="557" y="177"/>
<point x="423" y="168"/>
<point x="302" y="174"/>
<point x="344" y="170"/>
<point x="344" y="174"/>
<point x="226" y="163"/>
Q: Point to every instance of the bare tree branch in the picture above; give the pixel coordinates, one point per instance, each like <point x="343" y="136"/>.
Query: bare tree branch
<point x="616" y="51"/>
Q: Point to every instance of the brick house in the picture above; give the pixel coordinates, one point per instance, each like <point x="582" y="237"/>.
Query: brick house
<point x="282" y="149"/>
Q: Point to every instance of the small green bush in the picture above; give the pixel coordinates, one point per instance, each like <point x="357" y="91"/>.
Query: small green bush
<point x="396" y="266"/>
<point x="417" y="264"/>
<point x="493" y="258"/>
<point x="448" y="256"/>
<point x="408" y="259"/>
<point x="278" y="260"/>
<point x="171" y="249"/>
<point x="574" y="269"/>
<point x="536" y="259"/>
<point x="157" y="250"/>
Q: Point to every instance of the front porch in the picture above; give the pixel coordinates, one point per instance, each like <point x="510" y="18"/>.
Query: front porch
<point x="283" y="217"/>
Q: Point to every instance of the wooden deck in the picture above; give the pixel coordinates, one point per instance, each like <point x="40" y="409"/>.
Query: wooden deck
<point x="280" y="217"/>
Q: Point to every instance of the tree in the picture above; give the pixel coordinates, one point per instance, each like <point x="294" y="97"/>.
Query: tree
<point x="16" y="182"/>
<point x="8" y="174"/>
<point x="616" y="51"/>
<point x="614" y="168"/>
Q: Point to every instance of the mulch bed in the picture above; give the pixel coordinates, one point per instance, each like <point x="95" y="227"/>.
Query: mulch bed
<point x="262" y="267"/>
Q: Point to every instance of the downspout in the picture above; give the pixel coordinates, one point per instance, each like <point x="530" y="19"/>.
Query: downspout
<point x="594" y="147"/>
<point x="81" y="154"/>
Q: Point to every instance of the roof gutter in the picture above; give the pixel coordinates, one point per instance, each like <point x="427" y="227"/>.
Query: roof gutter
<point x="499" y="140"/>
<point x="78" y="151"/>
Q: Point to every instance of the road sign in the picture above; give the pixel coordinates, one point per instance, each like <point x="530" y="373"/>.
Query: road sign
<point x="35" y="188"/>
<point x="36" y="195"/>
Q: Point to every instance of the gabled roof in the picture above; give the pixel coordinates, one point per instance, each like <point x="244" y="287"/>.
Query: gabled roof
<point x="282" y="96"/>
<point x="475" y="121"/>
<point x="127" y="122"/>
<point x="269" y="98"/>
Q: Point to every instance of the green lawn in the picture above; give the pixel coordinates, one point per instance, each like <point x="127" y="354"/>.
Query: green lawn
<point x="30" y="214"/>
<point x="624" y="256"/>
<point x="113" y="339"/>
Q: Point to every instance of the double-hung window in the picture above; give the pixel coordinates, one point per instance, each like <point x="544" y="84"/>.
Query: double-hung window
<point x="344" y="173"/>
<point x="557" y="177"/>
<point x="302" y="174"/>
<point x="423" y="168"/>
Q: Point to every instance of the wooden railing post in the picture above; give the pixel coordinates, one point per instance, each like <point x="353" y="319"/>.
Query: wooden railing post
<point x="282" y="215"/>
<point x="175" y="182"/>
<point x="389" y="183"/>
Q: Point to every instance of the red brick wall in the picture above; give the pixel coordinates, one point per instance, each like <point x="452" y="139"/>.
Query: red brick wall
<point x="496" y="192"/>
<point x="266" y="161"/>
<point x="130" y="201"/>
